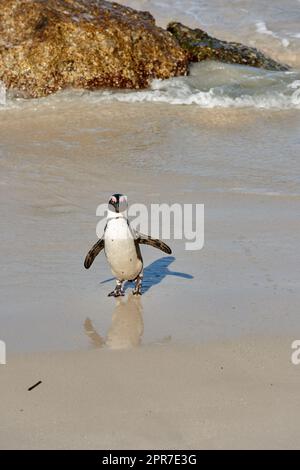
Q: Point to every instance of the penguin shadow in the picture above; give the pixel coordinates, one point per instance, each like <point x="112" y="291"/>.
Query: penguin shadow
<point x="155" y="273"/>
<point x="127" y="326"/>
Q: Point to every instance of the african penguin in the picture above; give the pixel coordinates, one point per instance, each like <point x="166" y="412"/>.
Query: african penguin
<point x="120" y="243"/>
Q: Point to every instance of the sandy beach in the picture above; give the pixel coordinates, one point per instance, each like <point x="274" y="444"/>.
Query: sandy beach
<point x="57" y="166"/>
<point x="241" y="394"/>
<point x="203" y="359"/>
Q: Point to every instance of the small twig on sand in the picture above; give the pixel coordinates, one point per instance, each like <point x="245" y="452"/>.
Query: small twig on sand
<point x="35" y="385"/>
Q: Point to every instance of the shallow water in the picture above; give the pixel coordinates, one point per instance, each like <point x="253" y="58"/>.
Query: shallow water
<point x="215" y="85"/>
<point x="272" y="26"/>
<point x="226" y="136"/>
<point x="209" y="85"/>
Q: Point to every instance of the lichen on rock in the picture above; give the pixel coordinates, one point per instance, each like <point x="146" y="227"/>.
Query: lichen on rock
<point x="200" y="46"/>
<point x="49" y="45"/>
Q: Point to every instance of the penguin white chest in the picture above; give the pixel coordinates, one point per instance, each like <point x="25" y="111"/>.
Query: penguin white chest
<point x="120" y="250"/>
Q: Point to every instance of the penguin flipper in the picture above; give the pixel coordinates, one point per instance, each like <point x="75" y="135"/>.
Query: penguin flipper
<point x="147" y="240"/>
<point x="94" y="251"/>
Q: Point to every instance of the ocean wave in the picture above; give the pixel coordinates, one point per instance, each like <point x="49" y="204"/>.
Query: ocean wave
<point x="206" y="99"/>
<point x="212" y="85"/>
<point x="209" y="85"/>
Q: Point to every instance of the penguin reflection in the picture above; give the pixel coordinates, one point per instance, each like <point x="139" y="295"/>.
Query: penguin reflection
<point x="126" y="329"/>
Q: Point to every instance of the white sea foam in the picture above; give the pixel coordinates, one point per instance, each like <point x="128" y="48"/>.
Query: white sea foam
<point x="285" y="42"/>
<point x="206" y="99"/>
<point x="210" y="85"/>
<point x="2" y="94"/>
<point x="294" y="85"/>
<point x="262" y="28"/>
<point x="213" y="85"/>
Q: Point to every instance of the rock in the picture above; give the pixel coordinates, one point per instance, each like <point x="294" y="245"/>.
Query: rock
<point x="200" y="46"/>
<point x="48" y="45"/>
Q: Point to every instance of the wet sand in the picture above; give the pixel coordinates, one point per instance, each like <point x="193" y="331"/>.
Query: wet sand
<point x="59" y="163"/>
<point x="202" y="360"/>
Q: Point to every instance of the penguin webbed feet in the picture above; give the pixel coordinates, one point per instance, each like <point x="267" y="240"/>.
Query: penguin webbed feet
<point x="118" y="290"/>
<point x="137" y="290"/>
<point x="116" y="293"/>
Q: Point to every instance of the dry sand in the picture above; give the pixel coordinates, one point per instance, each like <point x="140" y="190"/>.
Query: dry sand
<point x="228" y="395"/>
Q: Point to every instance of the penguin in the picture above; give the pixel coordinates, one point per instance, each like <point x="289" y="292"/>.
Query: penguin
<point x="121" y="245"/>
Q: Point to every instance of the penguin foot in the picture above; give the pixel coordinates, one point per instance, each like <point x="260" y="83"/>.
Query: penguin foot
<point x="138" y="284"/>
<point x="116" y="293"/>
<point x="137" y="291"/>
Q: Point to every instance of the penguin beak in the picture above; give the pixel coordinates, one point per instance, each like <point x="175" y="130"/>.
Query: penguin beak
<point x="118" y="203"/>
<point x="114" y="203"/>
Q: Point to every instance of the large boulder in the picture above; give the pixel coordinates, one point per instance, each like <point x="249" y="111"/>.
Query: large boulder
<point x="48" y="45"/>
<point x="200" y="46"/>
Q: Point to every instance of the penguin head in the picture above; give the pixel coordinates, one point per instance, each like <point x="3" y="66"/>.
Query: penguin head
<point x="118" y="203"/>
